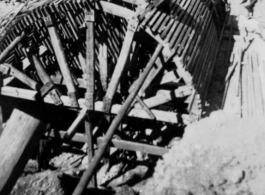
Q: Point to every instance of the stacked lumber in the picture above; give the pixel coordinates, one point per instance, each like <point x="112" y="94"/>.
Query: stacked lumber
<point x="112" y="63"/>
<point x="244" y="94"/>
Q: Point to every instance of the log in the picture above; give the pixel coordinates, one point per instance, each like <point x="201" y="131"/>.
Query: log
<point x="23" y="130"/>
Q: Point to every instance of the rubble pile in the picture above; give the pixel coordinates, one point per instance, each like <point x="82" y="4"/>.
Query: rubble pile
<point x="220" y="155"/>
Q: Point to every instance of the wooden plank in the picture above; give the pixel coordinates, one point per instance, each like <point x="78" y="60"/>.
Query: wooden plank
<point x="138" y="113"/>
<point x="17" y="143"/>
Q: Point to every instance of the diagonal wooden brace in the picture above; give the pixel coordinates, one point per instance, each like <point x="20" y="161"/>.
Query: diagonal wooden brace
<point x="90" y="59"/>
<point x="87" y="175"/>
<point x="75" y="125"/>
<point x="125" y="51"/>
<point x="9" y="69"/>
<point x="12" y="46"/>
<point x="61" y="58"/>
<point x="90" y="80"/>
<point x="145" y="107"/>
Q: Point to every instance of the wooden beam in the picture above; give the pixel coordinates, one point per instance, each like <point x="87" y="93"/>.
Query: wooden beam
<point x="17" y="143"/>
<point x="62" y="61"/>
<point x="75" y="125"/>
<point x="157" y="37"/>
<point x="137" y="113"/>
<point x="90" y="82"/>
<point x="164" y="96"/>
<point x="8" y="69"/>
<point x="12" y="46"/>
<point x="121" y="144"/>
<point x="134" y="146"/>
<point x="119" y="68"/>
<point x="90" y="59"/>
<point x="114" y="9"/>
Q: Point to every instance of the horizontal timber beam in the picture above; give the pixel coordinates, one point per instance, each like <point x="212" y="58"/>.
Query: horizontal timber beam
<point x="121" y="144"/>
<point x="135" y="112"/>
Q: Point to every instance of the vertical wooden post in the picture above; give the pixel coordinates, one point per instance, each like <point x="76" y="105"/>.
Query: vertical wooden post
<point x="90" y="81"/>
<point x="90" y="59"/>
<point x="22" y="131"/>
<point x="61" y="59"/>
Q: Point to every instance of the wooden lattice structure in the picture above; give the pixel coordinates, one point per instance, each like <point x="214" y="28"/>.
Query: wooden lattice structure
<point x="120" y="63"/>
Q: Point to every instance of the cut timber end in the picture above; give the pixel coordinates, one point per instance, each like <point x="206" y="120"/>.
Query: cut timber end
<point x="16" y="145"/>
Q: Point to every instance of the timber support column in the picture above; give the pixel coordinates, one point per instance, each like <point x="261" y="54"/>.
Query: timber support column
<point x="22" y="132"/>
<point x="90" y="78"/>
